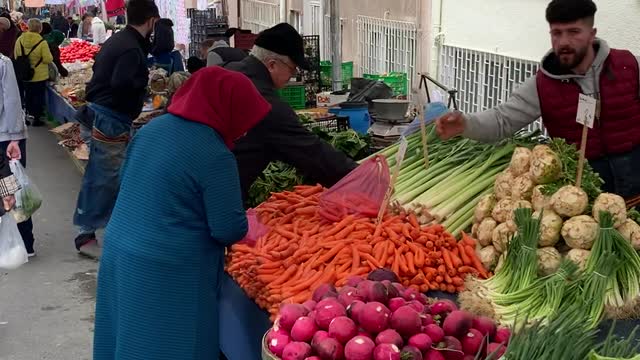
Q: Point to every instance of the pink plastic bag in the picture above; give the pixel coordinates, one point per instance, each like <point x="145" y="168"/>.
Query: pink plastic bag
<point x="360" y="193"/>
<point x="256" y="229"/>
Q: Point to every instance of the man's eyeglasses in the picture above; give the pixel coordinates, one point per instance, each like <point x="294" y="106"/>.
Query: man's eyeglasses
<point x="292" y="68"/>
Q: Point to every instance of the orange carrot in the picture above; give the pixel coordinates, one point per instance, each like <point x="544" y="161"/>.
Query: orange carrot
<point x="476" y="261"/>
<point x="355" y="263"/>
<point x="447" y="259"/>
<point x="463" y="255"/>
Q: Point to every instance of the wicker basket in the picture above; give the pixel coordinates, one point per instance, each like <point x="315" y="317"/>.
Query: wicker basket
<point x="266" y="354"/>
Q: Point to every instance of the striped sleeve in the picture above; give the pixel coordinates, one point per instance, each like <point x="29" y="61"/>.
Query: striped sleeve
<point x="8" y="186"/>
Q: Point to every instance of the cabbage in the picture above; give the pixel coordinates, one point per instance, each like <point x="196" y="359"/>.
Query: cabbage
<point x="485" y="231"/>
<point x="520" y="161"/>
<point x="549" y="260"/>
<point x="539" y="200"/>
<point x="523" y="187"/>
<point x="503" y="185"/>
<point x="489" y="257"/>
<point x="502" y="211"/>
<point x="630" y="230"/>
<point x="501" y="237"/>
<point x="546" y="166"/>
<point x="550" y="227"/>
<point x="484" y="207"/>
<point x="612" y="203"/>
<point x="579" y="256"/>
<point x="569" y="201"/>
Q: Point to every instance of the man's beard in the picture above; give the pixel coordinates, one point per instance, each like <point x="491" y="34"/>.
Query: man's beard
<point x="570" y="58"/>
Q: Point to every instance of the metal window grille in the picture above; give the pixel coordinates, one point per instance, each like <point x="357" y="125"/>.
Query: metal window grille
<point x="386" y="46"/>
<point x="258" y="15"/>
<point x="483" y="79"/>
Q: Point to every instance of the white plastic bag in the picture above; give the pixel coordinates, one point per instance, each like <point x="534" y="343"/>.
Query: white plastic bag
<point x="12" y="250"/>
<point x="28" y="198"/>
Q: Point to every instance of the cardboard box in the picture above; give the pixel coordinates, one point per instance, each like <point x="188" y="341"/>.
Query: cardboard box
<point x="327" y="99"/>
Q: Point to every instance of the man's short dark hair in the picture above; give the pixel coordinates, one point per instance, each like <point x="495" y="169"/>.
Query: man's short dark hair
<point x="568" y="11"/>
<point x="140" y="11"/>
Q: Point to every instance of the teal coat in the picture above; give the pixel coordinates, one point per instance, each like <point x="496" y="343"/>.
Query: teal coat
<point x="179" y="206"/>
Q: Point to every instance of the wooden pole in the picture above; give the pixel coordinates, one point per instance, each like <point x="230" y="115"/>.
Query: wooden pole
<point x="583" y="150"/>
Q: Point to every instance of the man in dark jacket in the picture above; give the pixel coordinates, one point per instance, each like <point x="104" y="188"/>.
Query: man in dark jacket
<point x="8" y="35"/>
<point x="58" y="22"/>
<point x="277" y="54"/>
<point x="116" y="96"/>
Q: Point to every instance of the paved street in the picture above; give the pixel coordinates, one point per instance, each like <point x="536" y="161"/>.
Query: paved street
<point x="47" y="305"/>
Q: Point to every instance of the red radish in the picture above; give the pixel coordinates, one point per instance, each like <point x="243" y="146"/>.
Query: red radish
<point x="363" y="286"/>
<point x="322" y="290"/>
<point x="410" y="353"/>
<point x="386" y="282"/>
<point x="386" y="352"/>
<point x="365" y="334"/>
<point x="457" y="323"/>
<point x="389" y="336"/>
<point x="435" y="332"/>
<point x="485" y="325"/>
<point x="359" y="348"/>
<point x="469" y="357"/>
<point x="417" y="306"/>
<point x="406" y="321"/>
<point x="411" y="294"/>
<point x="396" y="303"/>
<point x="330" y="349"/>
<point x="289" y="313"/>
<point x="442" y="307"/>
<point x="313" y="358"/>
<point x="309" y="305"/>
<point x="433" y="355"/>
<point x="348" y="295"/>
<point x="355" y="309"/>
<point x="392" y="292"/>
<point x="318" y="337"/>
<point x="342" y="329"/>
<point x="424" y="300"/>
<point x="398" y="287"/>
<point x="421" y="341"/>
<point x="277" y="340"/>
<point x="472" y="342"/>
<point x="451" y="348"/>
<point x="374" y="317"/>
<point x="496" y="350"/>
<point x="503" y="335"/>
<point x="313" y="315"/>
<point x="354" y="280"/>
<point x="296" y="351"/>
<point x="427" y="320"/>
<point x="377" y="292"/>
<point x="327" y="310"/>
<point x="303" y="329"/>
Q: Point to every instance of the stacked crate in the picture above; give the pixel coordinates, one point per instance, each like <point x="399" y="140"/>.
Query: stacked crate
<point x="311" y="77"/>
<point x="205" y="24"/>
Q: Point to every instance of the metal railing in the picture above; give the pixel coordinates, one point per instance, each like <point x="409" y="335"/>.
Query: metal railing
<point x="258" y="15"/>
<point x="386" y="46"/>
<point x="483" y="79"/>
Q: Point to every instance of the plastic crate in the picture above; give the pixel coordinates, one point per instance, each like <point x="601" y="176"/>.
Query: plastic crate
<point x="326" y="75"/>
<point x="294" y="95"/>
<point x="397" y="81"/>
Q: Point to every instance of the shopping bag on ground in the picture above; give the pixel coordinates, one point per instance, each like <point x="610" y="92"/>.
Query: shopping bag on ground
<point x="256" y="229"/>
<point x="28" y="198"/>
<point x="360" y="193"/>
<point x="12" y="250"/>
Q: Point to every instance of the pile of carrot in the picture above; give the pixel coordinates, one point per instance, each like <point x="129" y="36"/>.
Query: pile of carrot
<point x="302" y="251"/>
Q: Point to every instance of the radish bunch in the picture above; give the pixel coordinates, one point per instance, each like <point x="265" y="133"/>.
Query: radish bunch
<point x="371" y="320"/>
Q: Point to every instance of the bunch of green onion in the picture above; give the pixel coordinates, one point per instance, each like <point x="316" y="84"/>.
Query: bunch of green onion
<point x="624" y="285"/>
<point x="460" y="172"/>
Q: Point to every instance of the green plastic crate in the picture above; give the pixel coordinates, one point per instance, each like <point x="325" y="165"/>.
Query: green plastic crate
<point x="326" y="74"/>
<point x="397" y="82"/>
<point x="294" y="95"/>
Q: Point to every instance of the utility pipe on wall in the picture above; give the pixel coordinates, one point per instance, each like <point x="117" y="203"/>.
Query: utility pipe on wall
<point x="283" y="11"/>
<point x="437" y="36"/>
<point x="336" y="44"/>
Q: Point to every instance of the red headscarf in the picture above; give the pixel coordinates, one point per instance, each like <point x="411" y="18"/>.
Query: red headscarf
<point x="224" y="100"/>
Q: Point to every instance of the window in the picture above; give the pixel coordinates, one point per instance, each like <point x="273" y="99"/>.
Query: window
<point x="295" y="19"/>
<point x="258" y="15"/>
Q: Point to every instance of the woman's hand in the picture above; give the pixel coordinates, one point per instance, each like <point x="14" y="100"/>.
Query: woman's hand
<point x="9" y="202"/>
<point x="13" y="151"/>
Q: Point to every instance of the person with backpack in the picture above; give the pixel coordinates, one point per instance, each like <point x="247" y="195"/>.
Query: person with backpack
<point x="33" y="57"/>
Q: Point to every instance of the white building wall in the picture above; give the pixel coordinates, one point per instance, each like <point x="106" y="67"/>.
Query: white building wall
<point x="518" y="28"/>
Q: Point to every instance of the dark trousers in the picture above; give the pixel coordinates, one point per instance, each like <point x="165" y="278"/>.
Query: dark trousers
<point x="34" y="96"/>
<point x="621" y="173"/>
<point x="25" y="227"/>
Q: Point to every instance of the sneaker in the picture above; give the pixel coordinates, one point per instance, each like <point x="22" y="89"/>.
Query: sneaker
<point x="91" y="249"/>
<point x="31" y="254"/>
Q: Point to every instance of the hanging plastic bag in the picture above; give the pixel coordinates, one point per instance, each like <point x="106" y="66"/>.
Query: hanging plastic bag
<point x="360" y="193"/>
<point x="28" y="198"/>
<point x="256" y="229"/>
<point x="12" y="250"/>
<point x="432" y="112"/>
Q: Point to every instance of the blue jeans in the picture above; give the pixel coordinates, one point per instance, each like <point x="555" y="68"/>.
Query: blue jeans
<point x="101" y="182"/>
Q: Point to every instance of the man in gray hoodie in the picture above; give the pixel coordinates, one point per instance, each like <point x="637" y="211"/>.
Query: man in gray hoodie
<point x="579" y="63"/>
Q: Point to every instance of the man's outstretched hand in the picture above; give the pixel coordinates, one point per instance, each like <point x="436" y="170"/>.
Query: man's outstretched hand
<point x="450" y="125"/>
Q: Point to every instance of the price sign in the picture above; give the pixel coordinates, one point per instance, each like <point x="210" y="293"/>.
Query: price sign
<point x="586" y="110"/>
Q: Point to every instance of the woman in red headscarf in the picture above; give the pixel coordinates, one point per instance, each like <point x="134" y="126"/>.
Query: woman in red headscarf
<point x="179" y="206"/>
